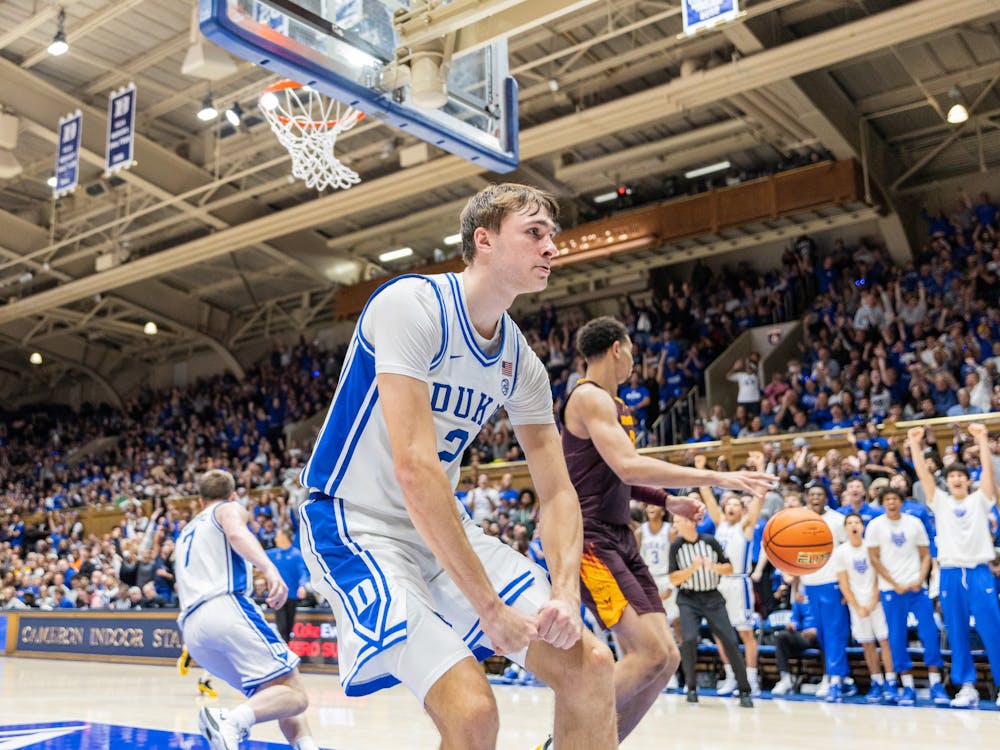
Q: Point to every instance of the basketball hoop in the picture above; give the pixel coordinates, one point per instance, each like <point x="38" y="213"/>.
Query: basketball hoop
<point x="307" y="124"/>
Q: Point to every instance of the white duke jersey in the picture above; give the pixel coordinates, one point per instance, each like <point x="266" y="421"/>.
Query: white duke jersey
<point x="206" y="565"/>
<point x="858" y="566"/>
<point x="963" y="529"/>
<point x="828" y="573"/>
<point x="736" y="546"/>
<point x="419" y="326"/>
<point x="898" y="544"/>
<point x="655" y="550"/>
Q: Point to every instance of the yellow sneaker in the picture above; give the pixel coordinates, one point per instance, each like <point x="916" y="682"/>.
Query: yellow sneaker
<point x="205" y="687"/>
<point x="183" y="662"/>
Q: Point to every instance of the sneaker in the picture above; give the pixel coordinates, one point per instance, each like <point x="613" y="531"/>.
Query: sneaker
<point x="782" y="687"/>
<point x="745" y="700"/>
<point x="755" y="687"/>
<point x="939" y="696"/>
<point x="219" y="732"/>
<point x="848" y="689"/>
<point x="547" y="745"/>
<point x="205" y="688"/>
<point x="890" y="693"/>
<point x="511" y="674"/>
<point x="907" y="697"/>
<point x="183" y="662"/>
<point x="823" y="689"/>
<point x="673" y="685"/>
<point x="875" y="693"/>
<point x="968" y="697"/>
<point x="833" y="695"/>
<point x="692" y="696"/>
<point x="727" y="687"/>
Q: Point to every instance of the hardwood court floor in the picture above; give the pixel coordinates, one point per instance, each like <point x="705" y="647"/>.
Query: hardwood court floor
<point x="34" y="691"/>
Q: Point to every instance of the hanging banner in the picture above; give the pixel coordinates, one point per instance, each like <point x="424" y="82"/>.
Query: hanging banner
<point x="68" y="155"/>
<point x="704" y="14"/>
<point x="120" y="147"/>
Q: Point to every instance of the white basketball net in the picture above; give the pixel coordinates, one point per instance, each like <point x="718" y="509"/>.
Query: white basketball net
<point x="307" y="124"/>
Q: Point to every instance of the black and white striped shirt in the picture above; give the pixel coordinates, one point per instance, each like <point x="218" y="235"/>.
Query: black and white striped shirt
<point x="683" y="553"/>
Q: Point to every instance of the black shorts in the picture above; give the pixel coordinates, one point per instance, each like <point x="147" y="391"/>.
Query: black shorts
<point x="613" y="574"/>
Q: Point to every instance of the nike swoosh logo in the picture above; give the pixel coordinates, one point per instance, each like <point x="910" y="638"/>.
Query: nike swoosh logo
<point x="455" y="356"/>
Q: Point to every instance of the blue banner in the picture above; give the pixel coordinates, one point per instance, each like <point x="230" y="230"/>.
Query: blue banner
<point x="68" y="155"/>
<point x="703" y="14"/>
<point x="120" y="146"/>
<point x="120" y="634"/>
<point x="3" y="633"/>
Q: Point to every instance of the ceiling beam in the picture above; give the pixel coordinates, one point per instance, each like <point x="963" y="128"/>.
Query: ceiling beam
<point x="681" y="95"/>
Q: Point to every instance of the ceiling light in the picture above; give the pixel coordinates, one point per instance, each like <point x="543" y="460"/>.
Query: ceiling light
<point x="605" y="197"/>
<point x="150" y="329"/>
<point x="207" y="111"/>
<point x="59" y="45"/>
<point x="234" y="114"/>
<point x="702" y="171"/>
<point x="958" y="112"/>
<point x="35" y="358"/>
<point x="397" y="254"/>
<point x="453" y="239"/>
<point x="51" y="182"/>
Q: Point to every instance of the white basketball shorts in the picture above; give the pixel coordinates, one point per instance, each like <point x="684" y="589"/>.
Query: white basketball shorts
<point x="663" y="585"/>
<point x="738" y="592"/>
<point x="869" y="629"/>
<point x="400" y="617"/>
<point x="229" y="637"/>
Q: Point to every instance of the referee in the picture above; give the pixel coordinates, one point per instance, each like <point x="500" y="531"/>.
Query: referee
<point x="696" y="563"/>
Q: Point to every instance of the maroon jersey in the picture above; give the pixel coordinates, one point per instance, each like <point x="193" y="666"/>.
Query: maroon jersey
<point x="603" y="496"/>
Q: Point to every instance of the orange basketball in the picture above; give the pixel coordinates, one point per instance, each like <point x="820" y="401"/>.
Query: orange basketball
<point x="797" y="541"/>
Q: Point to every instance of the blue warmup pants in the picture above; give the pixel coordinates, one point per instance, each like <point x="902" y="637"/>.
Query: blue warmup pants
<point x="964" y="592"/>
<point x="833" y="626"/>
<point x="896" y="608"/>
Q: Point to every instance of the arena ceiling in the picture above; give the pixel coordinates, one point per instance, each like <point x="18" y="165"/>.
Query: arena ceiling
<point x="208" y="237"/>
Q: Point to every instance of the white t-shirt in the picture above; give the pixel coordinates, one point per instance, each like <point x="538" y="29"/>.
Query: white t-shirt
<point x="963" y="529"/>
<point x="897" y="543"/>
<point x="749" y="387"/>
<point x="860" y="571"/>
<point x="828" y="573"/>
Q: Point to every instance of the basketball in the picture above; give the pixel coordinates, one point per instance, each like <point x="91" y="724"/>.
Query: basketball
<point x="797" y="541"/>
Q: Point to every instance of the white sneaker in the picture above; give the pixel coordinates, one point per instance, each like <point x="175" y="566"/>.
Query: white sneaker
<point x="218" y="730"/>
<point x="823" y="689"/>
<point x="968" y="697"/>
<point x="727" y="687"/>
<point x="673" y="684"/>
<point x="783" y="687"/>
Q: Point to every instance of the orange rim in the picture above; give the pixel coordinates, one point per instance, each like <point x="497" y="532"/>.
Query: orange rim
<point x="288" y="83"/>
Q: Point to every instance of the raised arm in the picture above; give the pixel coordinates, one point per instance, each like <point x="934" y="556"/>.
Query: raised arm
<point x="924" y="476"/>
<point x="987" y="481"/>
<point x="430" y="502"/>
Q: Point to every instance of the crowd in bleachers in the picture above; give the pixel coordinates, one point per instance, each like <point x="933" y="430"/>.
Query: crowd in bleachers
<point x="883" y="343"/>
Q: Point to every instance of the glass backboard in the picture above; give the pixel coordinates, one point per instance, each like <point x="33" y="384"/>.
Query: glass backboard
<point x="347" y="49"/>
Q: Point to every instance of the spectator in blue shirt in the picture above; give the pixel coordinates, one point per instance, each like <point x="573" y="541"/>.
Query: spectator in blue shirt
<point x="292" y="569"/>
<point x="636" y="398"/>
<point x="853" y="499"/>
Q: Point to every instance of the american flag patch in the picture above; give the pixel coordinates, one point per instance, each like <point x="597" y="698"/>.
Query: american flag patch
<point x="507" y="369"/>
